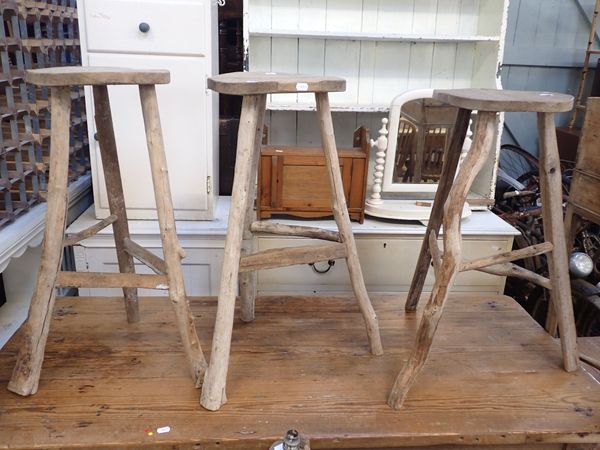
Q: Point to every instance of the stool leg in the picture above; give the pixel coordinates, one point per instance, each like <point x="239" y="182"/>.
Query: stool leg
<point x="215" y="380"/>
<point x="114" y="191"/>
<point x="340" y="213"/>
<point x="173" y="253"/>
<point x="248" y="279"/>
<point x="552" y="213"/>
<point x="450" y="265"/>
<point x="26" y="374"/>
<point x="450" y="164"/>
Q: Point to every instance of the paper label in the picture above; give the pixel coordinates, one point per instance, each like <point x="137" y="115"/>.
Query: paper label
<point x="302" y="87"/>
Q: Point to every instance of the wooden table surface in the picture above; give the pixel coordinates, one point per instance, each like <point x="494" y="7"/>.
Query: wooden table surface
<point x="494" y="379"/>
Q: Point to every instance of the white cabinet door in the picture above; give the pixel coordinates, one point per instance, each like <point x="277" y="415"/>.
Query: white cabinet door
<point x="185" y="111"/>
<point x="172" y="26"/>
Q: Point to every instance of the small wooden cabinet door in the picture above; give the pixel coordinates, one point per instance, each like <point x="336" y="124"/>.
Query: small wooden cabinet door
<point x="302" y="182"/>
<point x="185" y="108"/>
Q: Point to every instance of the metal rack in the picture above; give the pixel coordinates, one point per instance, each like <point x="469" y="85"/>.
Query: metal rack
<point x="34" y="34"/>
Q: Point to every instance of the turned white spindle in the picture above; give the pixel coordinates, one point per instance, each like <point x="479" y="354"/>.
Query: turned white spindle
<point x="381" y="146"/>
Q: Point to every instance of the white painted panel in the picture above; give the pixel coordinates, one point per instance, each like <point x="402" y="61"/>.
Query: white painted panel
<point x="490" y="16"/>
<point x="113" y="26"/>
<point x="469" y="17"/>
<point x="463" y="72"/>
<point x="366" y="76"/>
<point x="311" y="60"/>
<point x="421" y="64"/>
<point x="260" y="17"/>
<point x="425" y="13"/>
<point x="342" y="59"/>
<point x="344" y="15"/>
<point x="485" y="67"/>
<point x="391" y="70"/>
<point x="447" y="19"/>
<point x="259" y="55"/>
<point x="444" y="61"/>
<point x="284" y="15"/>
<point x="284" y="58"/>
<point x="312" y="15"/>
<point x="380" y="260"/>
<point x="183" y="107"/>
<point x="369" y="16"/>
<point x="395" y="16"/>
<point x="201" y="270"/>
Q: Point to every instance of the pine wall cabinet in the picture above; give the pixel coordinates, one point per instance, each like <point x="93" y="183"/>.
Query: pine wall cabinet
<point x="178" y="35"/>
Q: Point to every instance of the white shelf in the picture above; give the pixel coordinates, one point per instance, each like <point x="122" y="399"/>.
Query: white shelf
<point x="339" y="107"/>
<point x="388" y="37"/>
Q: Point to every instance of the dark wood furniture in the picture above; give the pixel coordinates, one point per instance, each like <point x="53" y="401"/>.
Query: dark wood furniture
<point x="293" y="180"/>
<point x="492" y="381"/>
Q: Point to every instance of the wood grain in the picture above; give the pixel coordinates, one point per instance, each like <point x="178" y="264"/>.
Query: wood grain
<point x="90" y="231"/>
<point x="173" y="253"/>
<point x="28" y="366"/>
<point x="505" y="100"/>
<point x="114" y="191"/>
<point x="145" y="256"/>
<point x="111" y="280"/>
<point x="494" y="378"/>
<point x="552" y="217"/>
<point x="283" y="257"/>
<point x="342" y="220"/>
<point x="451" y="259"/>
<point x="252" y="83"/>
<point x="76" y="75"/>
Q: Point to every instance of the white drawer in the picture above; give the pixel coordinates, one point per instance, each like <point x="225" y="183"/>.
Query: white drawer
<point x="387" y="265"/>
<point x="176" y="26"/>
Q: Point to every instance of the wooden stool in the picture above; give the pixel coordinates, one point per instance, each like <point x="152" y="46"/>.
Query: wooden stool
<point x="449" y="200"/>
<point x="242" y="218"/>
<point x="169" y="275"/>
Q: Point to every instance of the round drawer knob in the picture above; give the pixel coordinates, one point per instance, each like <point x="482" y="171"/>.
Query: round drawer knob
<point x="96" y="138"/>
<point x="144" y="27"/>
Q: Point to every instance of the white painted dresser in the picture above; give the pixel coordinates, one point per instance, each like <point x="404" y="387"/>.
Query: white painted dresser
<point x="387" y="250"/>
<point x="178" y="35"/>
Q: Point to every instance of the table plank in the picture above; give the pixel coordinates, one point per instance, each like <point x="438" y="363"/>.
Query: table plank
<point x="494" y="378"/>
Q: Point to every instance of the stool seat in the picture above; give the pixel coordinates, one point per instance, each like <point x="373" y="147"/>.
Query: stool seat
<point x="251" y="83"/>
<point x="505" y="100"/>
<point x="100" y="76"/>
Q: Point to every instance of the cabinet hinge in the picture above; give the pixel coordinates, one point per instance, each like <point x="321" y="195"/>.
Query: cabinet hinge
<point x="208" y="184"/>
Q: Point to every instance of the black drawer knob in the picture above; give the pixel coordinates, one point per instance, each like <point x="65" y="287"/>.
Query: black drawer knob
<point x="144" y="27"/>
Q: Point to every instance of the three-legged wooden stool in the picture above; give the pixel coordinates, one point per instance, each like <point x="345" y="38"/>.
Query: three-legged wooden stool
<point x="449" y="200"/>
<point x="255" y="87"/>
<point x="168" y="275"/>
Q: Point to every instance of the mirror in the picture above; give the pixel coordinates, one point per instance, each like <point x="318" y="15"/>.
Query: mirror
<point x="423" y="135"/>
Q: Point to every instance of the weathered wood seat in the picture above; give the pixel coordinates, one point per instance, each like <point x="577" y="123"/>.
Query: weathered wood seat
<point x="250" y="83"/>
<point x="449" y="200"/>
<point x="95" y="76"/>
<point x="240" y="257"/>
<point x="168" y="273"/>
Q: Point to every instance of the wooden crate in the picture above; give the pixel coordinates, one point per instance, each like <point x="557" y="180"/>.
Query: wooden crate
<point x="293" y="180"/>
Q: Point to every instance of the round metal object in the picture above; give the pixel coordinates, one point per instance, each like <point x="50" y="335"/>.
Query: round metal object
<point x="144" y="27"/>
<point x="580" y="265"/>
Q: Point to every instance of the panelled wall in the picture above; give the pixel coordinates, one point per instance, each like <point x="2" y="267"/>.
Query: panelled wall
<point x="545" y="49"/>
<point x="381" y="47"/>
